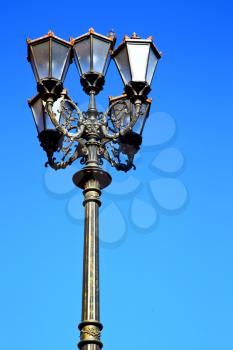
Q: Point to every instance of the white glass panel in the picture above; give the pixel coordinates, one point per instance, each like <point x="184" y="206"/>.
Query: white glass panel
<point x="48" y="122"/>
<point x="151" y="66"/>
<point x="107" y="64"/>
<point x="122" y="62"/>
<point x="121" y="114"/>
<point x="59" y="59"/>
<point x="38" y="113"/>
<point x="82" y="50"/>
<point x="138" y="58"/>
<point x="57" y="107"/>
<point x="128" y="115"/>
<point x="41" y="55"/>
<point x="138" y="126"/>
<point x="126" y="120"/>
<point x="100" y="53"/>
<point x="67" y="64"/>
<point x="77" y="63"/>
<point x="33" y="64"/>
<point x="140" y="123"/>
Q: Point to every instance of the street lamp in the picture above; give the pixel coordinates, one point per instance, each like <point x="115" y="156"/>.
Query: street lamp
<point x="129" y="125"/>
<point x="114" y="135"/>
<point x="48" y="135"/>
<point x="92" y="57"/>
<point x="50" y="57"/>
<point x="136" y="60"/>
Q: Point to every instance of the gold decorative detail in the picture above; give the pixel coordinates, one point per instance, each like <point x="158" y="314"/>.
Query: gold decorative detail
<point x="117" y="98"/>
<point x="50" y="33"/>
<point x="91" y="30"/>
<point x="64" y="92"/>
<point x="135" y="36"/>
<point x="92" y="332"/>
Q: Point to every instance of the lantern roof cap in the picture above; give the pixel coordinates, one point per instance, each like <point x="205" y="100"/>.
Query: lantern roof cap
<point x="47" y="36"/>
<point x="135" y="38"/>
<point x="91" y="32"/>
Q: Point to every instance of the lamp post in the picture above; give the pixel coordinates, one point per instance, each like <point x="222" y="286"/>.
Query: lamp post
<point x="66" y="133"/>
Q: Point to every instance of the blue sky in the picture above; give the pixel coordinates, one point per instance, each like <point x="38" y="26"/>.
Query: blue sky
<point x="171" y="286"/>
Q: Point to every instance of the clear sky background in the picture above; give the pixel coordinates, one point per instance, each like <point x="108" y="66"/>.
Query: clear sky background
<point x="169" y="287"/>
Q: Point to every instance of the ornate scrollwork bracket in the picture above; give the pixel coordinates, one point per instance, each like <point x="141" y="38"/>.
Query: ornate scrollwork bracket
<point x="82" y="133"/>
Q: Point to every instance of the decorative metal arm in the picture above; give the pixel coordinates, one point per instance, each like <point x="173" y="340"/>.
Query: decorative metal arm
<point x="63" y="164"/>
<point x="130" y="126"/>
<point x="77" y="128"/>
<point x="72" y="136"/>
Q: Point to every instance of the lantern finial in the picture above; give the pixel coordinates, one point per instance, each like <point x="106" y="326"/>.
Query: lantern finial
<point x="135" y="36"/>
<point x="50" y="33"/>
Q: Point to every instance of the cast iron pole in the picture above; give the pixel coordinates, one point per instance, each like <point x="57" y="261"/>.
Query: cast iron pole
<point x="91" y="179"/>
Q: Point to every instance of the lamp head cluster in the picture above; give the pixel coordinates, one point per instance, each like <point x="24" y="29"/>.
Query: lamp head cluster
<point x="53" y="110"/>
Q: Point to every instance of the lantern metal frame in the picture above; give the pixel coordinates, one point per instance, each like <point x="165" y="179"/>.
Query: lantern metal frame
<point x="123" y="99"/>
<point x="49" y="85"/>
<point x="136" y="89"/>
<point x="93" y="80"/>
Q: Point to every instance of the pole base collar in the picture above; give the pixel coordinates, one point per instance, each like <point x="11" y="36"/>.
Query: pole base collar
<point x="91" y="173"/>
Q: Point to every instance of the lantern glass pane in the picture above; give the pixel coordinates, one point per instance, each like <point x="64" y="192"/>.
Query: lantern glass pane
<point x="140" y="123"/>
<point x="122" y="62"/>
<point x="48" y="123"/>
<point x="128" y="114"/>
<point x="138" y="126"/>
<point x="59" y="59"/>
<point x="42" y="57"/>
<point x="33" y="64"/>
<point x="107" y="65"/>
<point x="125" y="120"/>
<point x="100" y="54"/>
<point x="121" y="113"/>
<point x="138" y="58"/>
<point x="152" y="63"/>
<point x="38" y="114"/>
<point x="82" y="55"/>
<point x="56" y="111"/>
